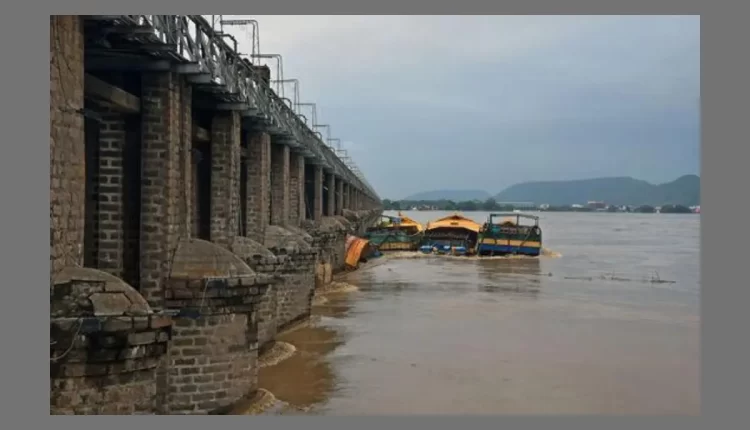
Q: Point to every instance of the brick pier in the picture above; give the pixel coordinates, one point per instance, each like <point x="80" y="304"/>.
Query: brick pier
<point x="191" y="216"/>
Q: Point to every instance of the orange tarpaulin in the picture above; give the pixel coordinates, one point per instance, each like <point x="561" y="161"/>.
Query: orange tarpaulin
<point x="355" y="247"/>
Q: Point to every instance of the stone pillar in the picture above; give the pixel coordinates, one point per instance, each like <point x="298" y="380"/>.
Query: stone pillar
<point x="225" y="177"/>
<point x="349" y="197"/>
<point x="344" y="195"/>
<point x="186" y="143"/>
<point x="296" y="189"/>
<point x="279" y="184"/>
<point x="331" y="185"/>
<point x="161" y="197"/>
<point x="259" y="184"/>
<point x="67" y="148"/>
<point x="339" y="196"/>
<point x="318" y="199"/>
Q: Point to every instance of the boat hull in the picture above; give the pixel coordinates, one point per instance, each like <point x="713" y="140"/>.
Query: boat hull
<point x="394" y="241"/>
<point x="490" y="246"/>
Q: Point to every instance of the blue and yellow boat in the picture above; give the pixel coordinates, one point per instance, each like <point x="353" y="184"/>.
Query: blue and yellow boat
<point x="454" y="234"/>
<point x="395" y="233"/>
<point x="504" y="234"/>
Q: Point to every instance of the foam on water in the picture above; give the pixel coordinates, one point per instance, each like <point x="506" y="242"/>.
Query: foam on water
<point x="279" y="352"/>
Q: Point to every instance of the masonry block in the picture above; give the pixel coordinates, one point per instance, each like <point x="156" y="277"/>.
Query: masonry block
<point x="106" y="346"/>
<point x="280" y="184"/>
<point x="213" y="363"/>
<point x="67" y="148"/>
<point x="259" y="184"/>
<point x="225" y="177"/>
<point x="296" y="189"/>
<point x="339" y="196"/>
<point x="318" y="199"/>
<point x="330" y="194"/>
<point x="109" y="207"/>
<point x="345" y="194"/>
<point x="163" y="192"/>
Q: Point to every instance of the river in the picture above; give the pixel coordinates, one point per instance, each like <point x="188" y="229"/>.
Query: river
<point x="607" y="323"/>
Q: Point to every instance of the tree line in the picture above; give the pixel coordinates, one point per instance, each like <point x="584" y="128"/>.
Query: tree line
<point x="491" y="205"/>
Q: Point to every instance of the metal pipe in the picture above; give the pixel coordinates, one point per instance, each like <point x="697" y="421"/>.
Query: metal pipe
<point x="296" y="87"/>
<point x="289" y="101"/>
<point x="222" y="34"/>
<point x="328" y="130"/>
<point x="314" y="111"/>
<point x="202" y="22"/>
<point x="279" y="69"/>
<point x="255" y="35"/>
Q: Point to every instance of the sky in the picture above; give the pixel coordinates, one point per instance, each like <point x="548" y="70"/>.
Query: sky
<point x="483" y="102"/>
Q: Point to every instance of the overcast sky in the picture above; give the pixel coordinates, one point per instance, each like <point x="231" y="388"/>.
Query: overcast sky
<point x="483" y="102"/>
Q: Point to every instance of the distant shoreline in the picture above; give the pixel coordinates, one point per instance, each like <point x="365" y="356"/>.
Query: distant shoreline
<point x="491" y="206"/>
<point x="542" y="211"/>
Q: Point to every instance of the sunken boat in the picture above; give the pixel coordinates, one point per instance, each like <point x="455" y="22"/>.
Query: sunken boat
<point x="454" y="234"/>
<point x="395" y="233"/>
<point x="510" y="233"/>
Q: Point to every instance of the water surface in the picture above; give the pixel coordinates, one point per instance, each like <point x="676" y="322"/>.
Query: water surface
<point x="610" y="326"/>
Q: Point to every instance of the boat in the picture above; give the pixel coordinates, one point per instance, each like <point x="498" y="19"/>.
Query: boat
<point x="395" y="233"/>
<point x="358" y="250"/>
<point x="503" y="233"/>
<point x="454" y="234"/>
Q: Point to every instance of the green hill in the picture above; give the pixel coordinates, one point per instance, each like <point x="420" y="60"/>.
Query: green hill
<point x="684" y="190"/>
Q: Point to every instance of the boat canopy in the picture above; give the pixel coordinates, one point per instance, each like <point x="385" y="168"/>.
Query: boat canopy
<point x="454" y="221"/>
<point x="408" y="222"/>
<point x="512" y="217"/>
<point x="401" y="221"/>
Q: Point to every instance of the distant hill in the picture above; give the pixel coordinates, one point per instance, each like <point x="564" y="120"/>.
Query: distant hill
<point x="684" y="190"/>
<point x="455" y="195"/>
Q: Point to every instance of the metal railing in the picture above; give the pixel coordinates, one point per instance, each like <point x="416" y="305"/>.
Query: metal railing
<point x="204" y="51"/>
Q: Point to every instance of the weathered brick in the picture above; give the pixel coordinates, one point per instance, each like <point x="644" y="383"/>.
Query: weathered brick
<point x="259" y="183"/>
<point x="339" y="207"/>
<point x="67" y="147"/>
<point x="330" y="197"/>
<point x="280" y="184"/>
<point x="166" y="129"/>
<point x="318" y="193"/>
<point x="296" y="189"/>
<point x="225" y="177"/>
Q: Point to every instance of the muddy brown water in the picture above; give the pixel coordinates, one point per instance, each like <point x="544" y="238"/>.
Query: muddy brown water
<point x="607" y="323"/>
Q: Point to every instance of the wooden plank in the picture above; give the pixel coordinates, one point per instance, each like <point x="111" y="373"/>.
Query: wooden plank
<point x="111" y="96"/>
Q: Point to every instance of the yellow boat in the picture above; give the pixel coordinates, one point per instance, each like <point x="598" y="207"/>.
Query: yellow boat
<point x="409" y="224"/>
<point x="509" y="236"/>
<point x="453" y="234"/>
<point x="399" y="233"/>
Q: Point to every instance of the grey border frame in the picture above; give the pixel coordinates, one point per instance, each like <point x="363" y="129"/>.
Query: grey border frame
<point x="725" y="377"/>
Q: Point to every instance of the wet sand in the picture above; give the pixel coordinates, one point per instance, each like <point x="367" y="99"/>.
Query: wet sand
<point x="605" y="323"/>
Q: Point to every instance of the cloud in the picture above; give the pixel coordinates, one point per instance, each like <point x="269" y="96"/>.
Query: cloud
<point x="486" y="101"/>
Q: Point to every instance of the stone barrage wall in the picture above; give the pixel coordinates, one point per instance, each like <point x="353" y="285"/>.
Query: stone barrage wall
<point x="159" y="321"/>
<point x="106" y="346"/>
<point x="214" y="350"/>
<point x="290" y="298"/>
<point x="112" y="371"/>
<point x="295" y="292"/>
<point x="267" y="310"/>
<point x="67" y="149"/>
<point x="213" y="363"/>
